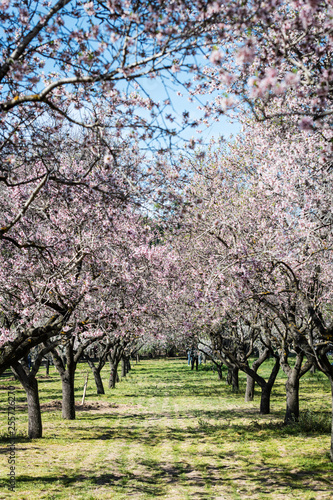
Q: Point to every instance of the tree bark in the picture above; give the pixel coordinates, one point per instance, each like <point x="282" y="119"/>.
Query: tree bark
<point x="219" y="371"/>
<point x="232" y="378"/>
<point x="192" y="362"/>
<point x="30" y="385"/>
<point x="66" y="365"/>
<point x="123" y="366"/>
<point x="229" y="376"/>
<point x="113" y="374"/>
<point x="114" y="358"/>
<point x="98" y="381"/>
<point x="292" y="393"/>
<point x="97" y="375"/>
<point x="35" y="429"/>
<point x="266" y="389"/>
<point x="294" y="375"/>
<point x="250" y="382"/>
<point x="265" y="400"/>
<point x="235" y="379"/>
<point x="68" y="396"/>
<point x="249" y="391"/>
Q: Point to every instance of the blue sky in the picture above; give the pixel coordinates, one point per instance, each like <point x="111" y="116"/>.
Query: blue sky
<point x="155" y="89"/>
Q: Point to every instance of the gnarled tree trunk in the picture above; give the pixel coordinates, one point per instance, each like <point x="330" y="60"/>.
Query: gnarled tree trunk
<point x="250" y="382"/>
<point x="66" y="366"/>
<point x="68" y="396"/>
<point x="292" y="396"/>
<point x="123" y="366"/>
<point x="266" y="389"/>
<point x="30" y="385"/>
<point x="294" y="375"/>
<point x="114" y="358"/>
<point x="235" y="379"/>
<point x="97" y="375"/>
<point x="35" y="429"/>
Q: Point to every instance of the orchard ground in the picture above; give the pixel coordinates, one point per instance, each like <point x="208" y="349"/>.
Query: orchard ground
<point x="169" y="432"/>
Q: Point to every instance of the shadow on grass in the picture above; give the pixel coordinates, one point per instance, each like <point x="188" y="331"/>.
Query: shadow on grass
<point x="153" y="435"/>
<point x="162" y="391"/>
<point x="149" y="482"/>
<point x="153" y="478"/>
<point x="222" y="417"/>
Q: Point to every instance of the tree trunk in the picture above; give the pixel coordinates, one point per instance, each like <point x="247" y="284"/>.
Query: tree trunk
<point x="30" y="385"/>
<point x="266" y="389"/>
<point x="98" y="381"/>
<point x="68" y="395"/>
<point x="229" y="376"/>
<point x="114" y="358"/>
<point x="66" y="366"/>
<point x="97" y="375"/>
<point x="249" y="391"/>
<point x="292" y="385"/>
<point x="219" y="372"/>
<point x="250" y="382"/>
<point x="123" y="366"/>
<point x="234" y="379"/>
<point x="47" y="366"/>
<point x="265" y="400"/>
<point x="113" y="374"/>
<point x="292" y="393"/>
<point x="35" y="429"/>
<point x="67" y="374"/>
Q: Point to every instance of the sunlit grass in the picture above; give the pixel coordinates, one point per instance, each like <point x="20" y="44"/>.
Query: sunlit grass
<point x="169" y="432"/>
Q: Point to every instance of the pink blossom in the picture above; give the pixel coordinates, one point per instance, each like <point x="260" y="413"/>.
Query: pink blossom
<point x="291" y="79"/>
<point x="89" y="8"/>
<point x="245" y="55"/>
<point x="216" y="57"/>
<point x="306" y="123"/>
<point x="4" y="4"/>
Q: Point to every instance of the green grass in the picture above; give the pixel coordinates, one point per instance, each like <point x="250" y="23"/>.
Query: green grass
<point x="171" y="433"/>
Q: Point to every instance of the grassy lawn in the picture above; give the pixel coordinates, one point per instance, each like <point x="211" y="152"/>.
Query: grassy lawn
<point x="171" y="433"/>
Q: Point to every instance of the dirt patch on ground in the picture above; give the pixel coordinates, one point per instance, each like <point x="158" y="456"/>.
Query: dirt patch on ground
<point x="95" y="406"/>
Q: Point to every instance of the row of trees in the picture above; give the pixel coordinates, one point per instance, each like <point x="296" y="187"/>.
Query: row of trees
<point x="104" y="243"/>
<point x="256" y="247"/>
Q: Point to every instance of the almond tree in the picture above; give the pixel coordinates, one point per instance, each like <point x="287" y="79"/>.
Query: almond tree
<point x="263" y="236"/>
<point x="276" y="52"/>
